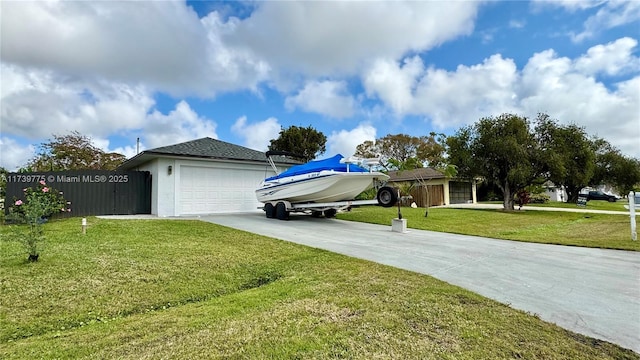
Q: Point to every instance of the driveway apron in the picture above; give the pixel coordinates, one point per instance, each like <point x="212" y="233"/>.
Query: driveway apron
<point x="595" y="292"/>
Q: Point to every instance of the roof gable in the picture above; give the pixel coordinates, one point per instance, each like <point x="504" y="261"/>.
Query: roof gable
<point x="210" y="148"/>
<point x="204" y="148"/>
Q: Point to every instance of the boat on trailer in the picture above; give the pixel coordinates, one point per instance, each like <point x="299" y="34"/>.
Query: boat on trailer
<point x="322" y="187"/>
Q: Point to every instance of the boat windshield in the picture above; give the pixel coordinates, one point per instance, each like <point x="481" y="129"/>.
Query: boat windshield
<point x="332" y="163"/>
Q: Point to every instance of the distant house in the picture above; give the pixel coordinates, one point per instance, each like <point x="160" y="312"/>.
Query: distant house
<point x="204" y="176"/>
<point x="555" y="192"/>
<point x="442" y="190"/>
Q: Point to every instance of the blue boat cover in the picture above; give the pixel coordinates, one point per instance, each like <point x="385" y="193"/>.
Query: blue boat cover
<point x="319" y="165"/>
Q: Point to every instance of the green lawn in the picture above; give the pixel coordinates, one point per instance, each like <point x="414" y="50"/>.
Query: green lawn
<point x="186" y="289"/>
<point x="564" y="228"/>
<point x="591" y="205"/>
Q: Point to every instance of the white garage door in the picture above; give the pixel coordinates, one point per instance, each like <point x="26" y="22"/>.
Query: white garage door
<point x="206" y="190"/>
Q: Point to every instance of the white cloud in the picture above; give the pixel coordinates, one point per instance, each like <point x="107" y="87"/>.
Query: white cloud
<point x="564" y="88"/>
<point x="324" y="37"/>
<point x="345" y="141"/>
<point x="517" y="24"/>
<point x="257" y="136"/>
<point x="611" y="14"/>
<point x="329" y="98"/>
<point x="459" y="97"/>
<point x="180" y="125"/>
<point x="128" y="151"/>
<point x="611" y="59"/>
<point x="14" y="155"/>
<point x="38" y="103"/>
<point x="392" y="83"/>
<point x="162" y="44"/>
<point x="570" y="5"/>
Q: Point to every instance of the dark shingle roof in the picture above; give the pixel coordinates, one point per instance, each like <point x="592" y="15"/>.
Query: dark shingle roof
<point x="416" y="174"/>
<point x="205" y="148"/>
<point x="210" y="148"/>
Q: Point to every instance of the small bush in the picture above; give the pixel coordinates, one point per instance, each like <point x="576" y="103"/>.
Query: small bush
<point x="30" y="214"/>
<point x="539" y="198"/>
<point x="522" y="198"/>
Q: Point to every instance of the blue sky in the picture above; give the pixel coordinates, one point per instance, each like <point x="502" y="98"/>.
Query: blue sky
<point x="174" y="71"/>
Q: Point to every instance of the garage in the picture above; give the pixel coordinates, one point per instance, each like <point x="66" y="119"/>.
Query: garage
<point x="204" y="176"/>
<point x="208" y="190"/>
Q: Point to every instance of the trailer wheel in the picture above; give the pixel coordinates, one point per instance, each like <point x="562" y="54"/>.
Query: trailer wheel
<point x="387" y="196"/>
<point x="269" y="210"/>
<point x="281" y="211"/>
<point x="316" y="214"/>
<point x="330" y="213"/>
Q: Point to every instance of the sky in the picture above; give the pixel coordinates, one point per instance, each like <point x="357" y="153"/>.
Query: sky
<point x="166" y="72"/>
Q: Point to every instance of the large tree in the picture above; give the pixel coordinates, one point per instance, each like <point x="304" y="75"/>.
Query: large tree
<point x="306" y="142"/>
<point x="73" y="152"/>
<point x="567" y="155"/>
<point x="502" y="150"/>
<point x="403" y="152"/>
<point x="611" y="167"/>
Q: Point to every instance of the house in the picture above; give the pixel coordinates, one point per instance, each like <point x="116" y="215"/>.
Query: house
<point x="204" y="176"/>
<point x="442" y="190"/>
<point x="555" y="192"/>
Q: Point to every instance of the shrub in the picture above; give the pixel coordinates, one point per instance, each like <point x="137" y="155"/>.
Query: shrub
<point x="368" y="194"/>
<point x="522" y="198"/>
<point x="539" y="198"/>
<point x="39" y="204"/>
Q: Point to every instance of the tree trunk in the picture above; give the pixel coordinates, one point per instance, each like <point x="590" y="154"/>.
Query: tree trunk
<point x="572" y="193"/>
<point x="508" y="197"/>
<point x="427" y="202"/>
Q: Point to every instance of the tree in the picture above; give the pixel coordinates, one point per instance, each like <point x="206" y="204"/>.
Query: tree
<point x="405" y="152"/>
<point x="567" y="155"/>
<point x="611" y="167"/>
<point x="73" y="152"/>
<point x="3" y="182"/>
<point x="307" y="142"/>
<point x="501" y="149"/>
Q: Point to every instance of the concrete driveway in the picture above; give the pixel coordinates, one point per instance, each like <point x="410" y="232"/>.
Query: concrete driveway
<point x="594" y="292"/>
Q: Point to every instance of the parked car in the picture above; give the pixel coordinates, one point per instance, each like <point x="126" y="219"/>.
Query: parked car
<point x="599" y="195"/>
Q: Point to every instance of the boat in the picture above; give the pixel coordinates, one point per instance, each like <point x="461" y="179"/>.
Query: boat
<point x="322" y="181"/>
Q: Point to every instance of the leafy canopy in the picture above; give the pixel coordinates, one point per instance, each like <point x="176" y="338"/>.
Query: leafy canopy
<point x="306" y="142"/>
<point x="406" y="152"/>
<point x="567" y="155"/>
<point x="73" y="152"/>
<point x="614" y="168"/>
<point x="500" y="149"/>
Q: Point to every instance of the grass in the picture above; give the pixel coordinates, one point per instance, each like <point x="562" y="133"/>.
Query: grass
<point x="591" y="205"/>
<point x="141" y="289"/>
<point x="562" y="228"/>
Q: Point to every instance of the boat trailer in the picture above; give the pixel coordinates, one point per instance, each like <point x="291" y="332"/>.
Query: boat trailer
<point x="280" y="209"/>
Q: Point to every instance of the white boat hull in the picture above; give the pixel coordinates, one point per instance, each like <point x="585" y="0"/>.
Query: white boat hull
<point x="318" y="187"/>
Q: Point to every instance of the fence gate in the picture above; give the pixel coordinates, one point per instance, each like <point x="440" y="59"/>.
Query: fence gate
<point x="436" y="195"/>
<point x="91" y="192"/>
